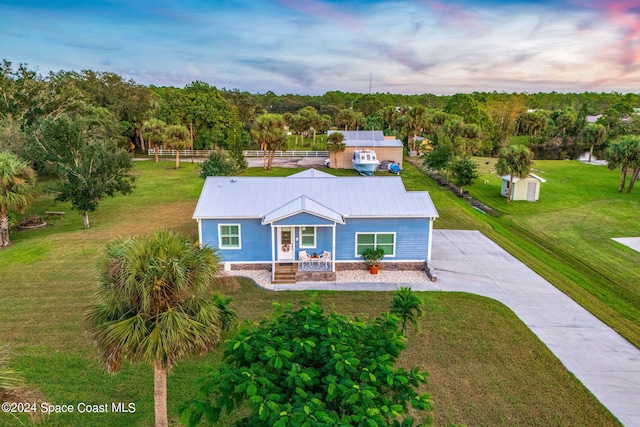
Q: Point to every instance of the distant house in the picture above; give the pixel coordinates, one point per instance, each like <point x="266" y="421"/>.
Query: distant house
<point x="279" y="222"/>
<point x="386" y="148"/>
<point x="523" y="188"/>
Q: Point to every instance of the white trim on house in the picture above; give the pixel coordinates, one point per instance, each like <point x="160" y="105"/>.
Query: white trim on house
<point x="538" y="177"/>
<point x="399" y="261"/>
<point x="375" y="239"/>
<point x="302" y="204"/>
<point x="227" y="247"/>
<point x="315" y="243"/>
<point x="386" y="217"/>
<point x="273" y="252"/>
<point x="333" y="249"/>
<point x="430" y="239"/>
<point x="228" y="217"/>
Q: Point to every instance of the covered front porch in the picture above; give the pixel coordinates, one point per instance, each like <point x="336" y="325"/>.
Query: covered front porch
<point x="303" y="249"/>
<point x="303" y="239"/>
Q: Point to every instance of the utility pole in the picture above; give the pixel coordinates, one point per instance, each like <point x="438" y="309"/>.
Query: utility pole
<point x="370" y="74"/>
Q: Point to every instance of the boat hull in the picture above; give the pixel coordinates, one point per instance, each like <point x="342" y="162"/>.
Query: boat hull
<point x="366" y="168"/>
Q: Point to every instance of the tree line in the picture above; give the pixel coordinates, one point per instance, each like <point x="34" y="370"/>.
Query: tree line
<point x="205" y="113"/>
<point x="79" y="126"/>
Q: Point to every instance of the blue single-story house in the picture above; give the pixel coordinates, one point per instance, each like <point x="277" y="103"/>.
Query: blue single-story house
<point x="262" y="222"/>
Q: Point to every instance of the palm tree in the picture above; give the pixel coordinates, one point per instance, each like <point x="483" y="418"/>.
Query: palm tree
<point x="534" y="123"/>
<point x="298" y="126"/>
<point x="312" y="120"/>
<point x="335" y="142"/>
<point x="268" y="132"/>
<point x="407" y="306"/>
<point x="360" y="120"/>
<point x="17" y="189"/>
<point x="390" y="116"/>
<point x="154" y="129"/>
<point x="594" y="134"/>
<point x="624" y="153"/>
<point x="177" y="137"/>
<point x="154" y="305"/>
<point x="565" y="122"/>
<point x="515" y="161"/>
<point x="418" y="120"/>
<point x="346" y="118"/>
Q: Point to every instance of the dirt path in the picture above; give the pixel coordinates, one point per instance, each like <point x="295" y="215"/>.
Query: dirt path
<point x="454" y="189"/>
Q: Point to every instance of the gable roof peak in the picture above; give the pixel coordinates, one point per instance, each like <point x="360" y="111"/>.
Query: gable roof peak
<point x="302" y="204"/>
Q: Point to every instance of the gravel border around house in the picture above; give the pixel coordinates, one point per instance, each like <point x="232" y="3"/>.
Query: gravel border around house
<point x="263" y="278"/>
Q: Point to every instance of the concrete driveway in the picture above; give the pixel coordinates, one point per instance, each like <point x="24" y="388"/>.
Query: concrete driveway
<point x="468" y="261"/>
<point x="632" y="242"/>
<point x="607" y="364"/>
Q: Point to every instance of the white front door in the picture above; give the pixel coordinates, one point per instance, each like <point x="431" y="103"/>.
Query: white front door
<point x="285" y="244"/>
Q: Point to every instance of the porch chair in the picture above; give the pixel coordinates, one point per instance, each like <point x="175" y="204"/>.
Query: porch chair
<point x="303" y="257"/>
<point x="325" y="258"/>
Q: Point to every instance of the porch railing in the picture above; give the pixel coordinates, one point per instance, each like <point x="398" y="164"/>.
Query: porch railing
<point x="315" y="265"/>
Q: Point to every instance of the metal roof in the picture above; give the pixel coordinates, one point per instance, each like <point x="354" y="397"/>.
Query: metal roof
<point x="311" y="173"/>
<point x="371" y="135"/>
<point x="366" y="138"/>
<point x="516" y="179"/>
<point x="370" y="143"/>
<point x="256" y="197"/>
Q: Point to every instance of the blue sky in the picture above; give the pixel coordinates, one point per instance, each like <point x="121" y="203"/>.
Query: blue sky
<point x="314" y="46"/>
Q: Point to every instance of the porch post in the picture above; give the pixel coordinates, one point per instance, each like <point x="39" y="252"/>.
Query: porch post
<point x="199" y="232"/>
<point x="430" y="238"/>
<point x="333" y="249"/>
<point x="273" y="254"/>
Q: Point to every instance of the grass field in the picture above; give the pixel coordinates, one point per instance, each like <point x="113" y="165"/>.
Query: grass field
<point x="307" y="143"/>
<point x="568" y="233"/>
<point x="486" y="367"/>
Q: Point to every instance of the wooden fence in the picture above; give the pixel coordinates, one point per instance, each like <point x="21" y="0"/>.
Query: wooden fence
<point x="260" y="153"/>
<point x="247" y="153"/>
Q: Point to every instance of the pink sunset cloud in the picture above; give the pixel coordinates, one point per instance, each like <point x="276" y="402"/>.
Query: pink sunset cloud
<point x="624" y="14"/>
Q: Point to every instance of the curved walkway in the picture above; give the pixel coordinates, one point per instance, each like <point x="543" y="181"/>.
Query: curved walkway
<point x="467" y="261"/>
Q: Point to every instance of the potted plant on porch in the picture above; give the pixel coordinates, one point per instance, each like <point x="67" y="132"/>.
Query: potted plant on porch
<point x="372" y="258"/>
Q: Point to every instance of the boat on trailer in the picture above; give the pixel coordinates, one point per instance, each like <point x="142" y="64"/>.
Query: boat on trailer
<point x="365" y="162"/>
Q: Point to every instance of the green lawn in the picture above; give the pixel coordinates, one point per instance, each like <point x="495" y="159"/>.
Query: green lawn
<point x="565" y="236"/>
<point x="307" y="143"/>
<point x="568" y="234"/>
<point x="486" y="367"/>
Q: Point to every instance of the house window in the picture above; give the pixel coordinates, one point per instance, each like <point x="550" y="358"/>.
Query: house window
<point x="386" y="241"/>
<point x="229" y="236"/>
<point x="307" y="237"/>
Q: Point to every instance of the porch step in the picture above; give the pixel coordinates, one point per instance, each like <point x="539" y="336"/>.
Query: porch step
<point x="285" y="274"/>
<point x="278" y="281"/>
